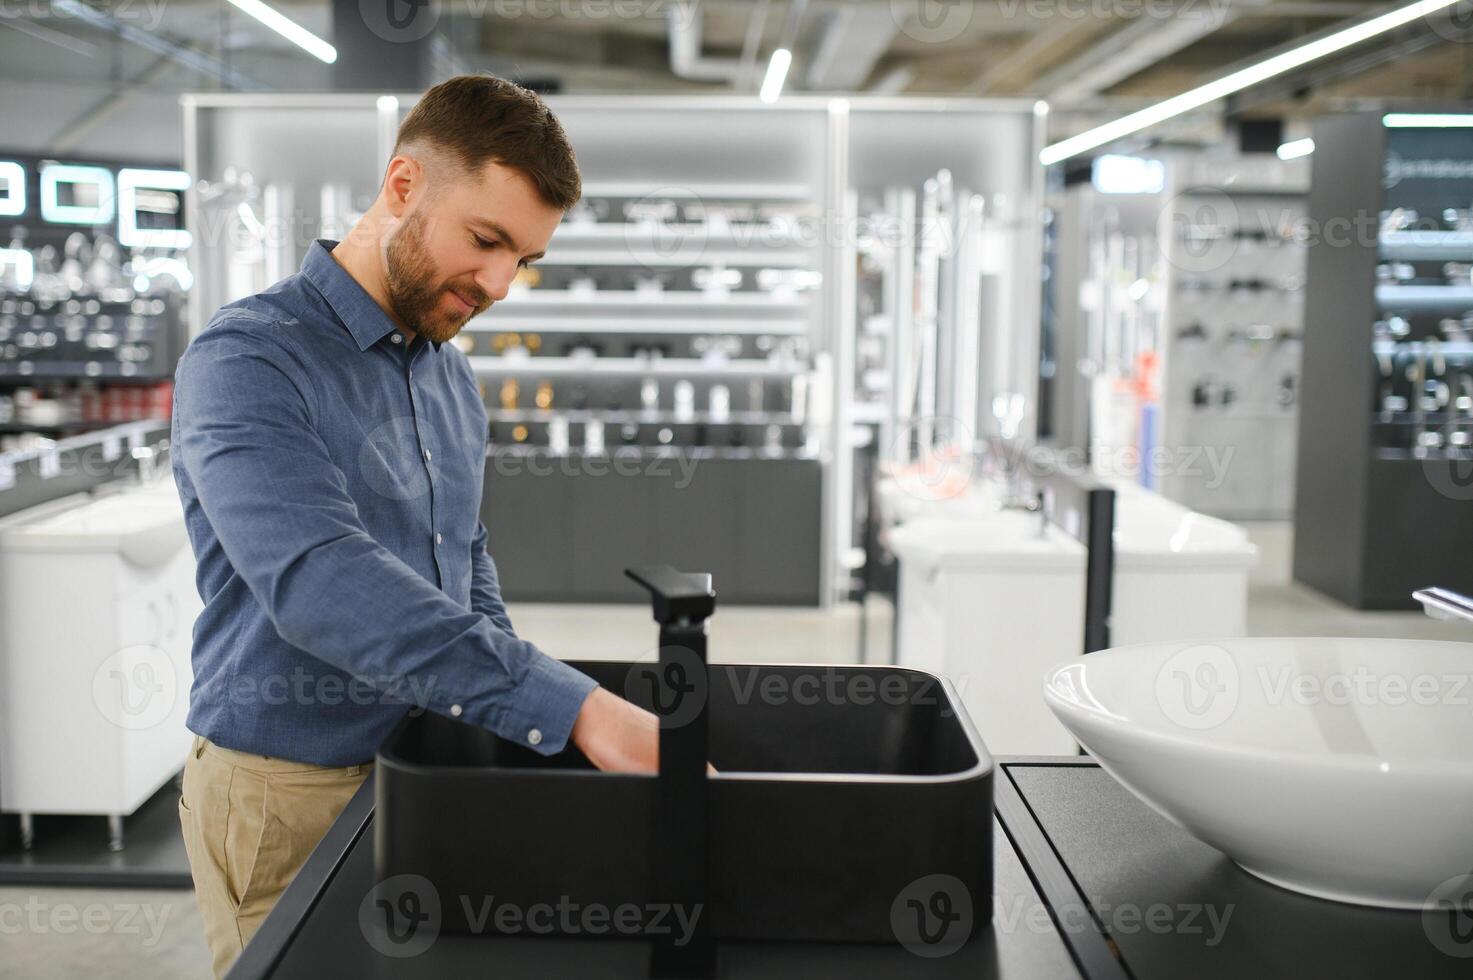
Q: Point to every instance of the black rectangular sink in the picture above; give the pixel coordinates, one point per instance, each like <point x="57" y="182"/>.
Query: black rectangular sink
<point x="838" y="788"/>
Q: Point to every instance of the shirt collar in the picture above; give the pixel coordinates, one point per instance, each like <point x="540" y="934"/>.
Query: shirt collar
<point x="363" y="317"/>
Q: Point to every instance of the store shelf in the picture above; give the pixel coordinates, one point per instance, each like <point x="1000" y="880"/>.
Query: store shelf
<point x="660" y="417"/>
<point x="677" y="257"/>
<point x="51" y="428"/>
<point x="495" y="323"/>
<point x="1232" y="190"/>
<point x="1425" y="299"/>
<point x="1427" y="246"/>
<point x="678" y="244"/>
<point x="682" y="367"/>
<point x="687" y="191"/>
<point x="670" y="300"/>
<point x="657" y="452"/>
<point x="1445" y="348"/>
<point x="14" y="372"/>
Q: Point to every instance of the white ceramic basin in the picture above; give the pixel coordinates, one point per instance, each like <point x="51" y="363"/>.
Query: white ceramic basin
<point x="145" y="526"/>
<point x="1340" y="768"/>
<point x="1149" y="529"/>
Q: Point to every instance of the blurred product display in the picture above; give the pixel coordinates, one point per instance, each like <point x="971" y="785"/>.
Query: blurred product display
<point x="1191" y="300"/>
<point x="689" y="321"/>
<point x="93" y="283"/>
<point x="601" y="311"/>
<point x="1388" y="391"/>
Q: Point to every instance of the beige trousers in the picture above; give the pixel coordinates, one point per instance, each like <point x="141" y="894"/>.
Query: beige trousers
<point x="249" y="823"/>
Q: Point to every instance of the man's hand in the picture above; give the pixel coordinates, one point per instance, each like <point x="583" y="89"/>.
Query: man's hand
<point x="618" y="736"/>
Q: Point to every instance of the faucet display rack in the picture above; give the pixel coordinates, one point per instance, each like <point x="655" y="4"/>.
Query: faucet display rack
<point x="701" y="301"/>
<point x="1385" y="465"/>
<point x="1182" y="312"/>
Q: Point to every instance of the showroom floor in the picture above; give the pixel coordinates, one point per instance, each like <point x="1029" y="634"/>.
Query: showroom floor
<point x="155" y="935"/>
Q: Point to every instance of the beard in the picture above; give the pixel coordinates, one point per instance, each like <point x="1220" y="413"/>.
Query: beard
<point x="416" y="299"/>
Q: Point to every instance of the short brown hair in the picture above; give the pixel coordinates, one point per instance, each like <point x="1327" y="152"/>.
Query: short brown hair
<point x="482" y="119"/>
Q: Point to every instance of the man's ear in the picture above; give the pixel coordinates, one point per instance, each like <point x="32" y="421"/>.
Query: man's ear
<point x="404" y="182"/>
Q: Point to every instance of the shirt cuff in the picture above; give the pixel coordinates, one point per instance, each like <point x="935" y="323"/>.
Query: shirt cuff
<point x="545" y="705"/>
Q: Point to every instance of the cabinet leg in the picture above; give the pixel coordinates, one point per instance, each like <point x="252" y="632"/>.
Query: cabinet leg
<point x="27" y="831"/>
<point x="115" y="832"/>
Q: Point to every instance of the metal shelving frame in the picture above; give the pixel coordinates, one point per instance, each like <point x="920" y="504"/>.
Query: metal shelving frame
<point x="992" y="145"/>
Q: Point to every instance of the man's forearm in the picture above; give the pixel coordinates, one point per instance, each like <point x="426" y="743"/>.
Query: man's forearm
<point x="486" y="584"/>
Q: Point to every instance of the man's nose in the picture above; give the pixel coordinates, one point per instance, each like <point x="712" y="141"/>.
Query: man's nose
<point x="495" y="279"/>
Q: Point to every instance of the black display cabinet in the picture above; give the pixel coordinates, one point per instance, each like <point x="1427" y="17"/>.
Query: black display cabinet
<point x="563" y="525"/>
<point x="1385" y="475"/>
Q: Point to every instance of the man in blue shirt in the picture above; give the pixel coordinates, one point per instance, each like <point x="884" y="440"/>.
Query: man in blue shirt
<point x="329" y="449"/>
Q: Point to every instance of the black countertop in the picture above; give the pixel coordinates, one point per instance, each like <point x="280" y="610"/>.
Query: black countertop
<point x="1175" y="907"/>
<point x="1089" y="882"/>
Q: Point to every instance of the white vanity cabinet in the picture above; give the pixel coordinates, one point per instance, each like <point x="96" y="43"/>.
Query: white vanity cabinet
<point x="97" y="605"/>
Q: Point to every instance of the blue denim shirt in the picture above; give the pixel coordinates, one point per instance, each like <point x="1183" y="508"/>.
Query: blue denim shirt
<point x="331" y="474"/>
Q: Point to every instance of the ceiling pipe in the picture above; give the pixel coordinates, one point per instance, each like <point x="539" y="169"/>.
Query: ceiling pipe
<point x="854" y="39"/>
<point x="686" y="60"/>
<point x="159" y="45"/>
<point x="747" y="74"/>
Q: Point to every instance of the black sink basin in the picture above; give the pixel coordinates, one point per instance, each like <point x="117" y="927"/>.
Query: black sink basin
<point x="838" y="788"/>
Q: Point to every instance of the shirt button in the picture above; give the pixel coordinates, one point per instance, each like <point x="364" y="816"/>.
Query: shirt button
<point x="428" y="456"/>
<point x="398" y="337"/>
<point x="439" y="537"/>
<point x="455" y="710"/>
<point x="534" y="737"/>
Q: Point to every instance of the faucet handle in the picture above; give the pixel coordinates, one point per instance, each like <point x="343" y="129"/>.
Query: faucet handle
<point x="145" y="457"/>
<point x="676" y="595"/>
<point x="1445" y="604"/>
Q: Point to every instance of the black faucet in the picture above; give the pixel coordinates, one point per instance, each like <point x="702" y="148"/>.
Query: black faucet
<point x="680" y="843"/>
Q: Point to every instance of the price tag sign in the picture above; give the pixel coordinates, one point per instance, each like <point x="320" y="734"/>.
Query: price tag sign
<point x="112" y="448"/>
<point x="7" y="474"/>
<point x="49" y="464"/>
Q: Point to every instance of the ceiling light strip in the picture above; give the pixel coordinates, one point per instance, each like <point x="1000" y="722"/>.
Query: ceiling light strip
<point x="1426" y="120"/>
<point x="1239" y="80"/>
<point x="289" y="29"/>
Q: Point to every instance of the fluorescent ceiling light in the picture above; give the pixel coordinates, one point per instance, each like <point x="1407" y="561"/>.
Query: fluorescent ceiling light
<point x="777" y="71"/>
<point x="289" y="29"/>
<point x="13" y="178"/>
<point x="1112" y="173"/>
<point x="99" y="212"/>
<point x="1425" y="120"/>
<point x="130" y="182"/>
<point x="1294" y="149"/>
<point x="1239" y="80"/>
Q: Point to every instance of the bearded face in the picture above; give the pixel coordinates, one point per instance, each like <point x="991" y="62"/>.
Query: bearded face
<point x="459" y="242"/>
<point x="434" y="308"/>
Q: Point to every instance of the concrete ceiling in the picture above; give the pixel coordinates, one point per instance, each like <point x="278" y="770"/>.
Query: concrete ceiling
<point x="1088" y="58"/>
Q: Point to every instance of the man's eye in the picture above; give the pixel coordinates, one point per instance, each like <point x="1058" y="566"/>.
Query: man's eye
<point x="481" y="242"/>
